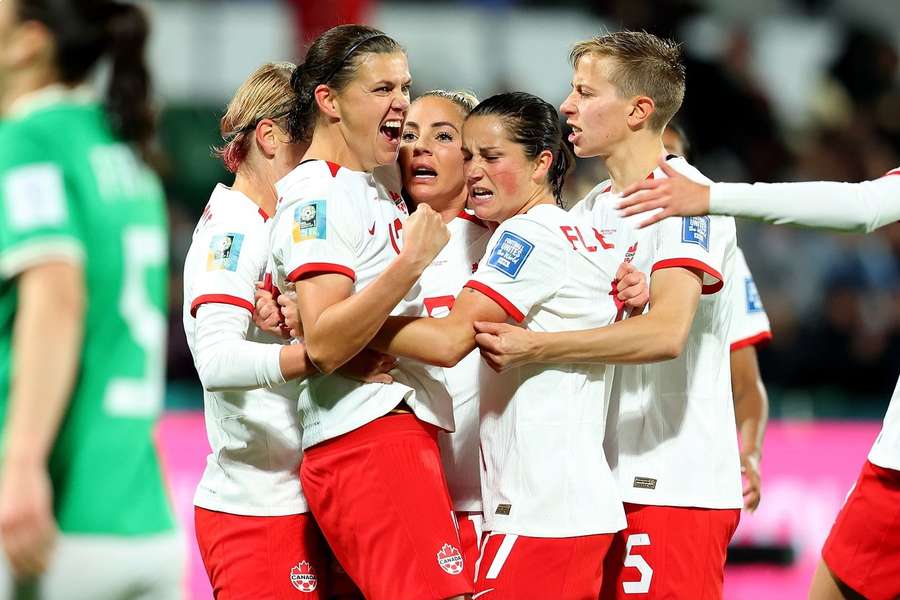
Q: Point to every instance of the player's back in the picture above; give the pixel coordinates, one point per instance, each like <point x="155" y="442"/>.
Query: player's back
<point x="70" y="187"/>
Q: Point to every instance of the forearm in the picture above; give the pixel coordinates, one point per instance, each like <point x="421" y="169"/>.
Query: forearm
<point x="440" y="342"/>
<point x="832" y="205"/>
<point x="344" y="329"/>
<point x="47" y="335"/>
<point x="751" y="403"/>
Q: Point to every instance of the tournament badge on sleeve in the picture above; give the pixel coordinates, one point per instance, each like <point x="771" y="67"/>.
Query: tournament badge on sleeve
<point x="510" y="254"/>
<point x="695" y="230"/>
<point x="224" y="251"/>
<point x="309" y="221"/>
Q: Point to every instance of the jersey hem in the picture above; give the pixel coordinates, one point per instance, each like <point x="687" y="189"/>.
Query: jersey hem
<point x="497" y="297"/>
<point x="251" y="511"/>
<point x="693" y="263"/>
<point x="754" y="340"/>
<point x="39" y="251"/>
<point x="219" y="299"/>
<point x="320" y="268"/>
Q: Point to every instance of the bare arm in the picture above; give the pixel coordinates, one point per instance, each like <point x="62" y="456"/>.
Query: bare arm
<point x="751" y="412"/>
<point x="442" y="342"/>
<point x="658" y="335"/>
<point x="47" y="336"/>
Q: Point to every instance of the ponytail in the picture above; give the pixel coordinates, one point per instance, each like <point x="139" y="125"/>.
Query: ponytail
<point x="562" y="163"/>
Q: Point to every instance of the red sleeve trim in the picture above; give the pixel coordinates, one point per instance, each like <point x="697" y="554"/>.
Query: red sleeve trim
<point x="892" y="172"/>
<point x="219" y="299"/>
<point x="320" y="268"/>
<point x="497" y="297"/>
<point x="263" y="214"/>
<point x="333" y="167"/>
<point x="761" y="338"/>
<point x="692" y="263"/>
<point x="471" y="218"/>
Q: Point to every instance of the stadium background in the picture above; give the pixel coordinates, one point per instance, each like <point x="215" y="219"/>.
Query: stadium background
<point x="777" y="90"/>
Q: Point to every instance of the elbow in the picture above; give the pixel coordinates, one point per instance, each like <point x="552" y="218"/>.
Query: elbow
<point x="326" y="360"/>
<point x="453" y="348"/>
<point x="209" y="379"/>
<point x="671" y="345"/>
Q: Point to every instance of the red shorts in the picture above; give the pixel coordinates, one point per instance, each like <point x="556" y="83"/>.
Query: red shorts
<point x="470" y="529"/>
<point x="863" y="548"/>
<point x="263" y="558"/>
<point x="380" y="497"/>
<point x="518" y="567"/>
<point x="669" y="552"/>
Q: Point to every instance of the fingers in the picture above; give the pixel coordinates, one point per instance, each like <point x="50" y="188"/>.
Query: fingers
<point x="384" y="378"/>
<point x="666" y="168"/>
<point x="29" y="546"/>
<point x="623" y="270"/>
<point x="643" y="204"/>
<point x="656" y="218"/>
<point x="488" y="342"/>
<point x="645" y="184"/>
<point x="491" y="327"/>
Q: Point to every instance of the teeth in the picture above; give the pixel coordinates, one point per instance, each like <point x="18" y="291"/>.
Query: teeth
<point x="394" y="123"/>
<point x="481" y="192"/>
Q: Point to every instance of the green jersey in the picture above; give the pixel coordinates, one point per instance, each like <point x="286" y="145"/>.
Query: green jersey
<point x="69" y="189"/>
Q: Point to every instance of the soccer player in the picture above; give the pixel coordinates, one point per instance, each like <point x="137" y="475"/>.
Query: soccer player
<point x="84" y="512"/>
<point x="673" y="448"/>
<point x="371" y="469"/>
<point x="551" y="503"/>
<point x="749" y="329"/>
<point x="861" y="557"/>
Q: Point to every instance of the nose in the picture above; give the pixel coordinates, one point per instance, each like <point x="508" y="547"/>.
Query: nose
<point x="567" y="107"/>
<point x="472" y="171"/>
<point x="401" y="101"/>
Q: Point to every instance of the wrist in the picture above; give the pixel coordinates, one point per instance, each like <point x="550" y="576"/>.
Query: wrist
<point x="23" y="459"/>
<point x="410" y="263"/>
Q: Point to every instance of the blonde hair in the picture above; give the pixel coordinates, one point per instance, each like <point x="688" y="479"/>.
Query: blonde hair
<point x="266" y="94"/>
<point x="464" y="99"/>
<point x="645" y="65"/>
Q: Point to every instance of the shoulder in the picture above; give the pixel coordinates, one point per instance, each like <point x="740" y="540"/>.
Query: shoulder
<point x="590" y="199"/>
<point x="685" y="168"/>
<point x="537" y="228"/>
<point x="313" y="178"/>
<point x="232" y="210"/>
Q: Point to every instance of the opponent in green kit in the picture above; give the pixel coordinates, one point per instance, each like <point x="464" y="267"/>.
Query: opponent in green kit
<point x="83" y="297"/>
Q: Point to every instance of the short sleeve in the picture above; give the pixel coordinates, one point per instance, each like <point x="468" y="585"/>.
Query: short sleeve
<point x="749" y="322"/>
<point x="233" y="259"/>
<point x="700" y="243"/>
<point x="38" y="214"/>
<point x="319" y="234"/>
<point x="524" y="266"/>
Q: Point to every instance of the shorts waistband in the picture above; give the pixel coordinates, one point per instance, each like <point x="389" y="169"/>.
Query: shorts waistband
<point x="389" y="424"/>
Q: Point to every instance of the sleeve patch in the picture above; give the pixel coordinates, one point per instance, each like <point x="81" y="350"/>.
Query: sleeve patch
<point x="754" y="302"/>
<point x="309" y="221"/>
<point x="34" y="197"/>
<point x="224" y="251"/>
<point x="510" y="254"/>
<point x="695" y="230"/>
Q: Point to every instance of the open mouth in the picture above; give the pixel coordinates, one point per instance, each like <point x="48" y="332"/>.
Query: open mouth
<point x="424" y="174"/>
<point x="480" y="194"/>
<point x="391" y="130"/>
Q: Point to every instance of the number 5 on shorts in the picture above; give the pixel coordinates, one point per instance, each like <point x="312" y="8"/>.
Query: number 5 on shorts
<point x="637" y="561"/>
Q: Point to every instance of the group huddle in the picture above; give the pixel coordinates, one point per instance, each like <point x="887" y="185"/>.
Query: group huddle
<point x="426" y="379"/>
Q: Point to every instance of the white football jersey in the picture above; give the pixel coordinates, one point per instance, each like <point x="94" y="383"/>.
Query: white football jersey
<point x="749" y="321"/>
<point x="544" y="471"/>
<point x="333" y="220"/>
<point x="434" y="296"/>
<point x="886" y="450"/>
<point x="254" y="435"/>
<point x="674" y="444"/>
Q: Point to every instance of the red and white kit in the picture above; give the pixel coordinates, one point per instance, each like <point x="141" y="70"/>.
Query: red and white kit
<point x="674" y="444"/>
<point x="248" y="495"/>
<point x="375" y="484"/>
<point x="749" y="321"/>
<point x="546" y="485"/>
<point x="435" y="293"/>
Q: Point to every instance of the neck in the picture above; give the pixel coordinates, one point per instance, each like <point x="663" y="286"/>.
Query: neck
<point x="634" y="160"/>
<point x="20" y="85"/>
<point x="449" y="207"/>
<point x="328" y="143"/>
<point x="539" y="196"/>
<point x="256" y="187"/>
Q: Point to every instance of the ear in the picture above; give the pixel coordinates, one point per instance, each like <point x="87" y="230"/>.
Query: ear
<point x="266" y="136"/>
<point x="641" y="109"/>
<point x="326" y="100"/>
<point x="31" y="42"/>
<point x="542" y="166"/>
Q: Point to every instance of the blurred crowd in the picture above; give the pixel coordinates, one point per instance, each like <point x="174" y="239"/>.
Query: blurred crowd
<point x="834" y="300"/>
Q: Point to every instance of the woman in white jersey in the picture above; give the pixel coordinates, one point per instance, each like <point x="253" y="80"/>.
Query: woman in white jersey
<point x="255" y="533"/>
<point x="861" y="557"/>
<point x="371" y="470"/>
<point x="551" y="504"/>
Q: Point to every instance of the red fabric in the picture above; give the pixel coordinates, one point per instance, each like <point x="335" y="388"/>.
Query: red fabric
<point x="499" y="298"/>
<point x="863" y="548"/>
<point x="754" y="340"/>
<point x="219" y="299"/>
<point x="320" y="268"/>
<point x="264" y="558"/>
<point x="692" y="263"/>
<point x="529" y="568"/>
<point x="686" y="552"/>
<point x="470" y="534"/>
<point x="380" y="497"/>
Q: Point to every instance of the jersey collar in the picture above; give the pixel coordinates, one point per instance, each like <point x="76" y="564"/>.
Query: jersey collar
<point x="49" y="96"/>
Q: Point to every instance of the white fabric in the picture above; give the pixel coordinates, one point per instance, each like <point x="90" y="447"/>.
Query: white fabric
<point x="862" y="206"/>
<point x="749" y="322"/>
<point x="544" y="470"/>
<point x="252" y="425"/>
<point x="334" y="220"/>
<point x="886" y="450"/>
<point x="97" y="567"/>
<point x="434" y="296"/>
<point x="674" y="444"/>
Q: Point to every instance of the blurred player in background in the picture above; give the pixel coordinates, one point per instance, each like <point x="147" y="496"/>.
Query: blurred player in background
<point x="749" y="328"/>
<point x="256" y="535"/>
<point x="673" y="446"/>
<point x="83" y="285"/>
<point x="371" y="469"/>
<point x="861" y="557"/>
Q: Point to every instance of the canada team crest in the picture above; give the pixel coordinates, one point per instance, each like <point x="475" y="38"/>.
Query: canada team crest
<point x="303" y="577"/>
<point x="450" y="559"/>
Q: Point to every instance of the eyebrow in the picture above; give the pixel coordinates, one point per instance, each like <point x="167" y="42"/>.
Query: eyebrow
<point x="445" y="124"/>
<point x="412" y="124"/>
